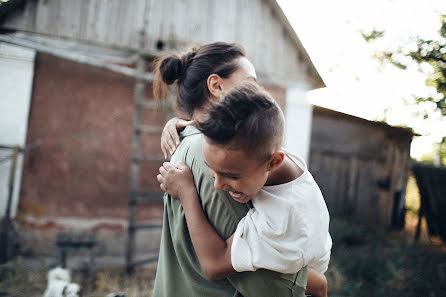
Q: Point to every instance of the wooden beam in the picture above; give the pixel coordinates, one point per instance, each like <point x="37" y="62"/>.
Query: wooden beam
<point x="78" y="58"/>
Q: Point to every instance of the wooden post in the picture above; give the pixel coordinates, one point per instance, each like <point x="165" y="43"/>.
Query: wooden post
<point x="134" y="174"/>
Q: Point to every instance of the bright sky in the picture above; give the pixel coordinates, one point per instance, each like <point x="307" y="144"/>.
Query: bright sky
<point x="358" y="84"/>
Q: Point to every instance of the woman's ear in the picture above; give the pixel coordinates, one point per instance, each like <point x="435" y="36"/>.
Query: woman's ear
<point x="214" y="83"/>
<point x="276" y="160"/>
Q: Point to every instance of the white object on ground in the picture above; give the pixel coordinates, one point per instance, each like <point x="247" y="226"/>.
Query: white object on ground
<point x="60" y="285"/>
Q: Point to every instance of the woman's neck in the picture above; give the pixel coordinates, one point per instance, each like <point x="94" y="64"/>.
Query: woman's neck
<point x="200" y="115"/>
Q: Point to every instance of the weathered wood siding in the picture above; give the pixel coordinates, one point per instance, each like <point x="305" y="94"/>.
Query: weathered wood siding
<point x="116" y="23"/>
<point x="360" y="166"/>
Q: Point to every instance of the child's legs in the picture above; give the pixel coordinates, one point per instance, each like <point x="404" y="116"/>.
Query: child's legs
<point x="316" y="284"/>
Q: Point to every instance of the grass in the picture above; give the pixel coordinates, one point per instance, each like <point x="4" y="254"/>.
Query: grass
<point x="16" y="280"/>
<point x="364" y="263"/>
<point x="370" y="264"/>
<point x="19" y="280"/>
<point x="367" y="264"/>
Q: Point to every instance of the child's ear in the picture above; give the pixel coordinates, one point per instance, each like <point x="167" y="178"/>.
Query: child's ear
<point x="276" y="160"/>
<point x="215" y="87"/>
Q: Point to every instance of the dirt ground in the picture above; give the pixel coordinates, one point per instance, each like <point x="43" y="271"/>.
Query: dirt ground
<point x="27" y="277"/>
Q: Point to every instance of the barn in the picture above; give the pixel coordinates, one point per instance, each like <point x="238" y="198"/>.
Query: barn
<point x="76" y="82"/>
<point x="361" y="166"/>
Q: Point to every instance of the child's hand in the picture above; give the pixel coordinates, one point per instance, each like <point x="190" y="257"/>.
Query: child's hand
<point x="175" y="179"/>
<point x="169" y="138"/>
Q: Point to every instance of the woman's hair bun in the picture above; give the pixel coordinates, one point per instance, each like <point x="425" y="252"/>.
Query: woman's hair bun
<point x="174" y="67"/>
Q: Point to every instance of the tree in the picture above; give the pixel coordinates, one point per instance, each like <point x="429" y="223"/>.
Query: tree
<point x="431" y="52"/>
<point x="425" y="52"/>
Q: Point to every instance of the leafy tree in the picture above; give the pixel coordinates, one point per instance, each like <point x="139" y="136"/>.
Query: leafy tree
<point x="431" y="52"/>
<point x="425" y="52"/>
<point x="438" y="156"/>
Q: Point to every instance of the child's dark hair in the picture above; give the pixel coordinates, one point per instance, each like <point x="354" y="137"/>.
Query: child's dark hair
<point x="191" y="71"/>
<point x="246" y="118"/>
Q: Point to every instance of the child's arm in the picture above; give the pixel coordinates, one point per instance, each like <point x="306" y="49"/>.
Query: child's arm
<point x="316" y="284"/>
<point x="213" y="252"/>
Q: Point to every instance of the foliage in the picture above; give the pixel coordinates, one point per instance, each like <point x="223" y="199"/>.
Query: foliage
<point x="430" y="56"/>
<point x="372" y="35"/>
<point x="437" y="156"/>
<point x="426" y="52"/>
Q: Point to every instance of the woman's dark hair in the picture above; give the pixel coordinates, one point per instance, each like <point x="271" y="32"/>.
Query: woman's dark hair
<point x="191" y="70"/>
<point x="246" y="118"/>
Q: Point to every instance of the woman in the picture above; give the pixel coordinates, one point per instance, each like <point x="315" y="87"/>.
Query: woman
<point x="202" y="76"/>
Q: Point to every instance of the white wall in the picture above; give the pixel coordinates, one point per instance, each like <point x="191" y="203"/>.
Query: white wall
<point x="298" y="116"/>
<point x="16" y="77"/>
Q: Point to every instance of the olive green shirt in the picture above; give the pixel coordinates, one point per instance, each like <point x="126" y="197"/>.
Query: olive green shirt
<point x="179" y="273"/>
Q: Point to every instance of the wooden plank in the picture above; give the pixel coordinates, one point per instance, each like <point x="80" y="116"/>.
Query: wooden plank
<point x="352" y="185"/>
<point x="42" y="16"/>
<point x="114" y="23"/>
<point x="69" y="18"/>
<point x="103" y="20"/>
<point x="341" y="185"/>
<point x="77" y="58"/>
<point x="126" y="23"/>
<point x="111" y="28"/>
<point x="83" y="26"/>
<point x="366" y="206"/>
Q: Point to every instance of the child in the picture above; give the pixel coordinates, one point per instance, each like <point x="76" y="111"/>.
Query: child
<point x="288" y="226"/>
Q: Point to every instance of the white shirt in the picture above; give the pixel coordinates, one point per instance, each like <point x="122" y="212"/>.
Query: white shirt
<point x="286" y="230"/>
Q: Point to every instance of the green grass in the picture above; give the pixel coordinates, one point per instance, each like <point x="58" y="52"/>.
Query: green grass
<point x="367" y="264"/>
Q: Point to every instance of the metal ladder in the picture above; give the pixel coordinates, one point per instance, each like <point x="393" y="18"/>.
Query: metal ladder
<point x="136" y="196"/>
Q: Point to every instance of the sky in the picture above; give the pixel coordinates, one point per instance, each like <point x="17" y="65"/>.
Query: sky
<point x="357" y="83"/>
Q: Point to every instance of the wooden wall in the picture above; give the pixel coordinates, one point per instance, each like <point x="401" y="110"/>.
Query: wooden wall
<point x="257" y="24"/>
<point x="361" y="166"/>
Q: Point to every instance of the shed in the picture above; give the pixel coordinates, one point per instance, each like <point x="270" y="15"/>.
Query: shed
<point x="82" y="99"/>
<point x="361" y="166"/>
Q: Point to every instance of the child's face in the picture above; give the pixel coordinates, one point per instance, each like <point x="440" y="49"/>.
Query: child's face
<point x="234" y="172"/>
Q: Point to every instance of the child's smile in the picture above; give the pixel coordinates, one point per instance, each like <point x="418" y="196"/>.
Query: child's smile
<point x="233" y="171"/>
<point x="239" y="196"/>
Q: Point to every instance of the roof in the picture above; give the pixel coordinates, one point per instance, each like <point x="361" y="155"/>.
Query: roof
<point x="318" y="81"/>
<point x="399" y="131"/>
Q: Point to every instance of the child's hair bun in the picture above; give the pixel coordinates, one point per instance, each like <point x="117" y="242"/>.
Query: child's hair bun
<point x="174" y="67"/>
